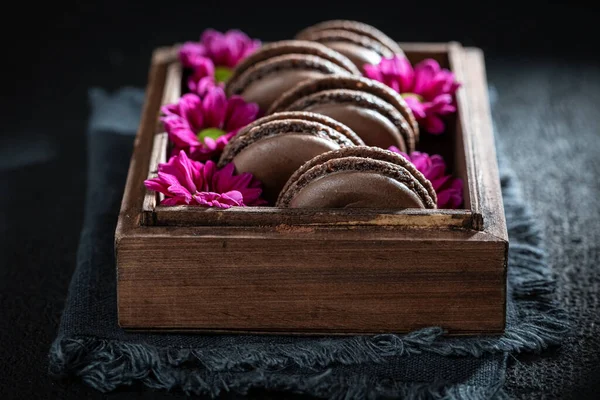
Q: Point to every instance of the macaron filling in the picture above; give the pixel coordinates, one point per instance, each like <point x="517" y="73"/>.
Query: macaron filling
<point x="357" y="53"/>
<point x="375" y="121"/>
<point x="297" y="47"/>
<point x="305" y="116"/>
<point x="372" y="127"/>
<point x="422" y="187"/>
<point x="355" y="182"/>
<point x="360" y="84"/>
<point x="266" y="81"/>
<point x="354" y="27"/>
<point x="274" y="159"/>
<point x="358" y="48"/>
<point x="354" y="189"/>
<point x="273" y="151"/>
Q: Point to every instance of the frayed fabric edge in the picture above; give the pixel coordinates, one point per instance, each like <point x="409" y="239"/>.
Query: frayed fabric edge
<point x="107" y="364"/>
<point x="111" y="364"/>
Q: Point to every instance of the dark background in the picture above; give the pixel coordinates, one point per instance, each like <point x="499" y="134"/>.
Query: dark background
<point x="54" y="53"/>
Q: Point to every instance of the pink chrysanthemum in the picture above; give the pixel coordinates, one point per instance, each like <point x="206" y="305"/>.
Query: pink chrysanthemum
<point x="449" y="189"/>
<point x="202" y="126"/>
<point x="427" y="88"/>
<point x="215" y="55"/>
<point x="202" y="78"/>
<point x="187" y="182"/>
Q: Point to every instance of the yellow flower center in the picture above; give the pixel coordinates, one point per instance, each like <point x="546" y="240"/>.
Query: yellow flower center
<point x="222" y="74"/>
<point x="409" y="94"/>
<point x="213" y="133"/>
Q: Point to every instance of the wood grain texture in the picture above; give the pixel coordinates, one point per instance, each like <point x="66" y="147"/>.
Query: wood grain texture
<point x="485" y="165"/>
<point x="131" y="212"/>
<point x="152" y="199"/>
<point x="314" y="271"/>
<point x="356" y="280"/>
<point x="261" y="216"/>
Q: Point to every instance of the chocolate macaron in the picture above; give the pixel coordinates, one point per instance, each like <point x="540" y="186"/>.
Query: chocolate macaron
<point x="278" y="66"/>
<point x="377" y="114"/>
<point x="361" y="43"/>
<point x="358" y="177"/>
<point x="273" y="147"/>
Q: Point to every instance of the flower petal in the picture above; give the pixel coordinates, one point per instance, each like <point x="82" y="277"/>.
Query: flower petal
<point x="156" y="185"/>
<point x="233" y="196"/>
<point x="174" y="201"/>
<point x="191" y="53"/>
<point x="406" y="74"/>
<point x="177" y="190"/>
<point x="447" y="187"/>
<point x="416" y="107"/>
<point x="239" y="113"/>
<point x="190" y="108"/>
<point x="167" y="179"/>
<point x="204" y="69"/>
<point x="434" y="125"/>
<point x="425" y="71"/>
<point x="229" y="48"/>
<point x="372" y="71"/>
<point x="203" y="85"/>
<point x="179" y="132"/>
<point x="396" y="72"/>
<point x="214" y="106"/>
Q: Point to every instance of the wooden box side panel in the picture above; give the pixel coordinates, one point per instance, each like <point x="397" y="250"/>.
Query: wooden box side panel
<point x="490" y="206"/>
<point x="131" y="215"/>
<point x="357" y="283"/>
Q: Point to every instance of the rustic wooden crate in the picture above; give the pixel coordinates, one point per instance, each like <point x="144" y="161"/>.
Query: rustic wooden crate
<point x="272" y="270"/>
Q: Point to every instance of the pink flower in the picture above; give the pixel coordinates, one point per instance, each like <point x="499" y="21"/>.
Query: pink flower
<point x="216" y="55"/>
<point x="229" y="48"/>
<point x="449" y="189"/>
<point x="428" y="89"/>
<point x="192" y="55"/>
<point x="202" y="126"/>
<point x="187" y="182"/>
<point x="202" y="77"/>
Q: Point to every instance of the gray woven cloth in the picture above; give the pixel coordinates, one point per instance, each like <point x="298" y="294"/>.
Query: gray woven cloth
<point x="421" y="364"/>
<point x="548" y="121"/>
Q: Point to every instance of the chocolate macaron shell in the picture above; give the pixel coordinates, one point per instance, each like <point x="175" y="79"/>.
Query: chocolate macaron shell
<point x="273" y="150"/>
<point x="374" y="120"/>
<point x="348" y="82"/>
<point x="369" y="152"/>
<point x="268" y="127"/>
<point x="355" y="27"/>
<point x="284" y="47"/>
<point x="307" y="116"/>
<point x="264" y="82"/>
<point x="358" y="48"/>
<point x="356" y="182"/>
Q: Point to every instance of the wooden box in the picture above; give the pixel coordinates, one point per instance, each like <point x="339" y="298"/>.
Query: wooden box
<point x="270" y="270"/>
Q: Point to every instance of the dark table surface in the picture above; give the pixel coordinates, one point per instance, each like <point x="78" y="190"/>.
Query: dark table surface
<point x="541" y="59"/>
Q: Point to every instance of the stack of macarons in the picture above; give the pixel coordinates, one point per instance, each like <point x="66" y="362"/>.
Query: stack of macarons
<point x="322" y="138"/>
<point x="272" y="148"/>
<point x="378" y="114"/>
<point x="278" y="66"/>
<point x="361" y="43"/>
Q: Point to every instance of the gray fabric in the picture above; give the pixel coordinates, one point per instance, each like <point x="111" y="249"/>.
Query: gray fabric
<point x="549" y="122"/>
<point x="91" y="346"/>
